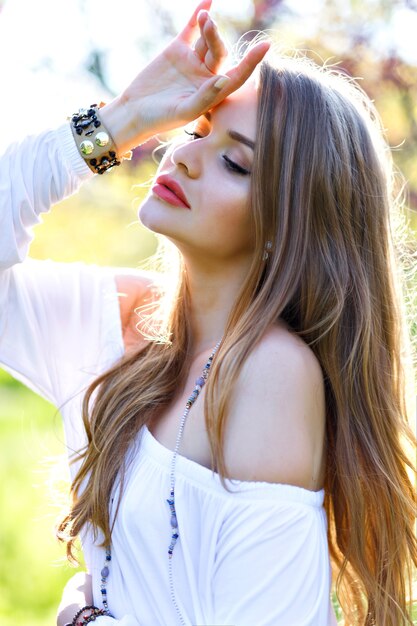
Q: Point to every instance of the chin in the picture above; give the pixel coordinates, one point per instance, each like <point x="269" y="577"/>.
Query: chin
<point x="149" y="215"/>
<point x="157" y="217"/>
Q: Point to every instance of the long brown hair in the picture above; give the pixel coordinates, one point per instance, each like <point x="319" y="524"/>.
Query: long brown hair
<point x="322" y="193"/>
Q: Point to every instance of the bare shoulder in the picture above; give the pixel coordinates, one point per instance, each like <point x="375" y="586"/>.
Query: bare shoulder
<point x="134" y="289"/>
<point x="277" y="419"/>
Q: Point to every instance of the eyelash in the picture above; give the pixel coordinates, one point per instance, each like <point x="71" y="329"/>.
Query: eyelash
<point x="231" y="165"/>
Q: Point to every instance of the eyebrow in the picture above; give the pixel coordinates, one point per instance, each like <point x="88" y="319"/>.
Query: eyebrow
<point x="233" y="134"/>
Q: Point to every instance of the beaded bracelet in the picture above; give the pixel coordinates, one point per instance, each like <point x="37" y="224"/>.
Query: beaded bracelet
<point x="94" y="142"/>
<point x="81" y="620"/>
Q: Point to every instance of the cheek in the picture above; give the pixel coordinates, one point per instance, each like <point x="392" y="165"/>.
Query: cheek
<point x="233" y="223"/>
<point x="233" y="203"/>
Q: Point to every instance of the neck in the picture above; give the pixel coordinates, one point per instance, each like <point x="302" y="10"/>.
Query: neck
<point x="213" y="295"/>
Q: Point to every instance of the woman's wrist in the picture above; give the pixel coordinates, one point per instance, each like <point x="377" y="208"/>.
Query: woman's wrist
<point x="125" y="124"/>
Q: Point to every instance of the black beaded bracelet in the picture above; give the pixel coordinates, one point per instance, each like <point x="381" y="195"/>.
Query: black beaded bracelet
<point x="92" y="618"/>
<point x="94" y="613"/>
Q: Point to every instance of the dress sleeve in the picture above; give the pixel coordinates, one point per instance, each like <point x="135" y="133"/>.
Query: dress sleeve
<point x="59" y="324"/>
<point x="272" y="567"/>
<point x="34" y="174"/>
<point x="50" y="313"/>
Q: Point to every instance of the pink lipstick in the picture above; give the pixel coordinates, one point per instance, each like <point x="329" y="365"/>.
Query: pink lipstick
<point x="169" y="190"/>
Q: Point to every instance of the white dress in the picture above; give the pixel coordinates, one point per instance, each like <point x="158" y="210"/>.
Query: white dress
<point x="254" y="557"/>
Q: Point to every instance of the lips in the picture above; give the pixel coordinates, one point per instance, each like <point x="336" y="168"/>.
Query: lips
<point x="169" y="190"/>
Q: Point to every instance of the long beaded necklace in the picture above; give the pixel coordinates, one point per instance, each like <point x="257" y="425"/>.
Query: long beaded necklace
<point x="199" y="384"/>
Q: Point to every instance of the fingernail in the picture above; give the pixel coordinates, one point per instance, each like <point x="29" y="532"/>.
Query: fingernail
<point x="221" y="82"/>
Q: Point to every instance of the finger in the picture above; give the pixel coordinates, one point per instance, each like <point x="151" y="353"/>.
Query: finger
<point x="202" y="18"/>
<point x="201" y="45"/>
<point x="206" y="97"/>
<point x="217" y="51"/>
<point x="188" y="32"/>
<point x="213" y="91"/>
<point x="201" y="49"/>
<point x="243" y="70"/>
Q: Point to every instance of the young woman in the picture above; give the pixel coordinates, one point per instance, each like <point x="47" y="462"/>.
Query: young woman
<point x="249" y="423"/>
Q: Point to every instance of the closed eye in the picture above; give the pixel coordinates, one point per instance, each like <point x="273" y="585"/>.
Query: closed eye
<point x="231" y="165"/>
<point x="235" y="167"/>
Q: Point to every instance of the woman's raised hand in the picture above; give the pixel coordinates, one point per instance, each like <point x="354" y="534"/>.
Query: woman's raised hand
<point x="180" y="84"/>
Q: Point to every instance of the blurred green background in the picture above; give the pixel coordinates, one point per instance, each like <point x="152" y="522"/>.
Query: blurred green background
<point x="98" y="225"/>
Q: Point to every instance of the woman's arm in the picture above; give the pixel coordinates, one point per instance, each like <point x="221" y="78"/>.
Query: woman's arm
<point x="174" y="89"/>
<point x="34" y="174"/>
<point x="77" y="593"/>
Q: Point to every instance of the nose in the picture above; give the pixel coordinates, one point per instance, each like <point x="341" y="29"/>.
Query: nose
<point x="186" y="156"/>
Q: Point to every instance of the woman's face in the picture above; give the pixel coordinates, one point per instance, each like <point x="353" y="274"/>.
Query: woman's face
<point x="200" y="196"/>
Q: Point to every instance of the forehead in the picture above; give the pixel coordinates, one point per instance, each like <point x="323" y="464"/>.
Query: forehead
<point x="240" y="108"/>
